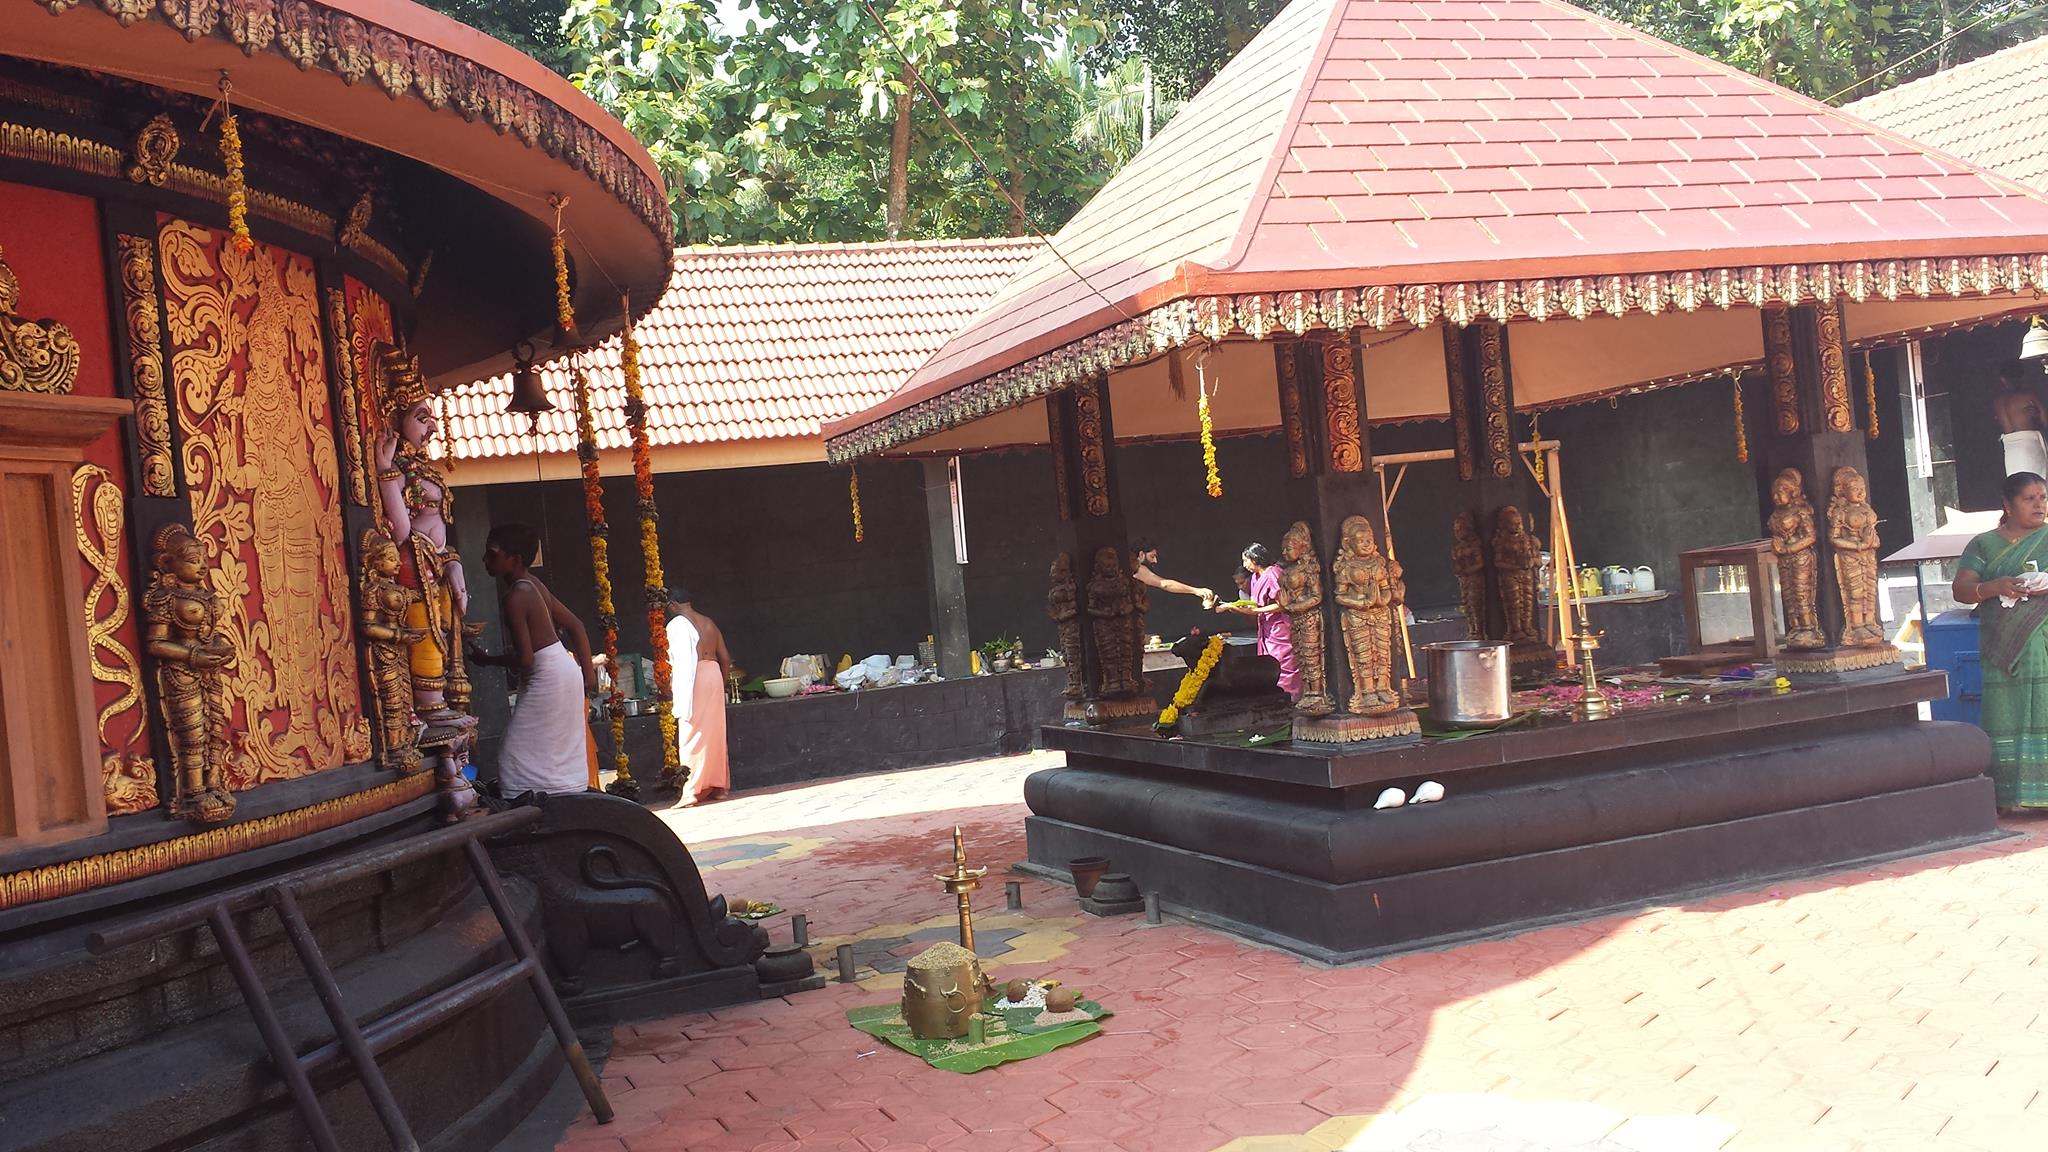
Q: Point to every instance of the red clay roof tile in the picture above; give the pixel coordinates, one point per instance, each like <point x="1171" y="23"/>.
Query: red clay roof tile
<point x="759" y="343"/>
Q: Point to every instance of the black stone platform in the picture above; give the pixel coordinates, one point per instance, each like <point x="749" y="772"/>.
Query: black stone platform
<point x="1553" y="820"/>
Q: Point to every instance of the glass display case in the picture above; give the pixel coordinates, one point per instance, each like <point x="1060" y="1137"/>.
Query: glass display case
<point x="1734" y="609"/>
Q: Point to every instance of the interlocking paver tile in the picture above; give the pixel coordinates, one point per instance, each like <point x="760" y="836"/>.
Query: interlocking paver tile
<point x="1891" y="1007"/>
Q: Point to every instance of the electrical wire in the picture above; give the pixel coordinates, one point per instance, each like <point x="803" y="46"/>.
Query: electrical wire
<point x="1898" y="64"/>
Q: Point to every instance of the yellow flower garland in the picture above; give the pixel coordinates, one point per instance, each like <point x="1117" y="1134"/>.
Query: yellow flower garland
<point x="1741" y="425"/>
<point x="238" y="188"/>
<point x="565" y="312"/>
<point x="656" y="590"/>
<point x="601" y="564"/>
<point x="853" y="490"/>
<point x="1215" y="478"/>
<point x="1191" y="684"/>
<point x="1870" y="393"/>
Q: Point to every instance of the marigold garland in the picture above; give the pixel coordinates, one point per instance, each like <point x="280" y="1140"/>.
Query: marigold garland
<point x="1741" y="424"/>
<point x="1215" y="478"/>
<point x="565" y="312"/>
<point x="656" y="590"/>
<point x="853" y="490"/>
<point x="601" y="564"/>
<point x="238" y="187"/>
<point x="1870" y="393"/>
<point x="1190" y="685"/>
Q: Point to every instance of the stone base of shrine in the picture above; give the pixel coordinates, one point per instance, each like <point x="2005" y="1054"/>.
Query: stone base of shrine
<point x="1550" y="820"/>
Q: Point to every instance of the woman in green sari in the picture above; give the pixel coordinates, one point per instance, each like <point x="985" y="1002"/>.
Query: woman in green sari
<point x="2012" y="641"/>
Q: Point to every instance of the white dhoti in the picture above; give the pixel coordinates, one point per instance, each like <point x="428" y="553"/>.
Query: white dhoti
<point x="2025" y="452"/>
<point x="545" y="744"/>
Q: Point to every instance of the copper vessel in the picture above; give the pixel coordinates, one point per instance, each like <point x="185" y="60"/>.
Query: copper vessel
<point x="943" y="989"/>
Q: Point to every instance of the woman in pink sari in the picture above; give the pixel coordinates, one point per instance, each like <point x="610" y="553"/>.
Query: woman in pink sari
<point x="1276" y="632"/>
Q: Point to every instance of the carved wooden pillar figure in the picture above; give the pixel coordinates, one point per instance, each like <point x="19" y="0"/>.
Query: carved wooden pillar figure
<point x="1827" y="570"/>
<point x="1104" y="641"/>
<point x="1370" y="591"/>
<point x="1109" y="614"/>
<point x="1301" y="597"/>
<point x="1063" y="604"/>
<point x="1468" y="564"/>
<point x="1479" y="380"/>
<point x="1517" y="555"/>
<point x="191" y="653"/>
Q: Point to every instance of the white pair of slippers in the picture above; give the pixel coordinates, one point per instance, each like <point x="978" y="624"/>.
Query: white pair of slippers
<point x="1426" y="792"/>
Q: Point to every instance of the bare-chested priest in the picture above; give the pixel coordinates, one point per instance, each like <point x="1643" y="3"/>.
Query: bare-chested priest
<point x="2021" y="418"/>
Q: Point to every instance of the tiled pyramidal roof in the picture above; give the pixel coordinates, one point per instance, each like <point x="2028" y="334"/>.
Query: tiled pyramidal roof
<point x="1992" y="112"/>
<point x="759" y="343"/>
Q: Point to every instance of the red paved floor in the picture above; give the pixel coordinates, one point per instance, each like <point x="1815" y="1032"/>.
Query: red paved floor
<point x="1894" y="1007"/>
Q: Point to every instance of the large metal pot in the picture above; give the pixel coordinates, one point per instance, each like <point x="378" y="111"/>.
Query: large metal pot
<point x="1468" y="684"/>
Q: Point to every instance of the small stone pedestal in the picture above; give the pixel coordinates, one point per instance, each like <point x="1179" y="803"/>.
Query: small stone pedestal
<point x="1397" y="727"/>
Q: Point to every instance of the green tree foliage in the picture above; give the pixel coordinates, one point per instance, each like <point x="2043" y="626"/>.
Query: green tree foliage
<point x="1187" y="41"/>
<point x="532" y="26"/>
<point x="783" y="129"/>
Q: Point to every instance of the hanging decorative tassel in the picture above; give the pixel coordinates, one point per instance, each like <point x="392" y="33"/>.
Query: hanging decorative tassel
<point x="565" y="312"/>
<point x="1870" y="394"/>
<point x="231" y="161"/>
<point x="853" y="491"/>
<point x="601" y="565"/>
<point x="1741" y="425"/>
<point x="650" y="548"/>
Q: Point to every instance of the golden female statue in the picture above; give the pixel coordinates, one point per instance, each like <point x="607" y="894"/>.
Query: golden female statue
<point x="1793" y="537"/>
<point x="1517" y="555"/>
<point x="1063" y="604"/>
<point x="1109" y="610"/>
<point x="1301" y="597"/>
<point x="385" y="603"/>
<point x="1370" y="591"/>
<point x="1468" y="563"/>
<point x="418" y="507"/>
<point x="1852" y="530"/>
<point x="191" y="652"/>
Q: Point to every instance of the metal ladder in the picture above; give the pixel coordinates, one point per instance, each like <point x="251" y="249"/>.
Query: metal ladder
<point x="361" y="1044"/>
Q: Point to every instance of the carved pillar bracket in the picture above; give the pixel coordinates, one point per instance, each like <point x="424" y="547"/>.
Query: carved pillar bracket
<point x="1461" y="408"/>
<point x="1286" y="372"/>
<point x="1340" y="407"/>
<point x="1493" y="394"/>
<point x="146" y="365"/>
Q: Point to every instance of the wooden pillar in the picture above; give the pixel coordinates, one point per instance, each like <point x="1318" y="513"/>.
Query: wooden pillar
<point x="948" y="582"/>
<point x="1082" y="431"/>
<point x="1814" y="430"/>
<point x="1328" y="437"/>
<point x="1479" y="375"/>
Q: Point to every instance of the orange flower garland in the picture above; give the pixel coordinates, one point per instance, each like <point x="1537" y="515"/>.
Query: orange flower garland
<point x="565" y="312"/>
<point x="238" y="187"/>
<point x="1870" y="393"/>
<point x="1741" y="424"/>
<point x="853" y="489"/>
<point x="650" y="547"/>
<point x="601" y="563"/>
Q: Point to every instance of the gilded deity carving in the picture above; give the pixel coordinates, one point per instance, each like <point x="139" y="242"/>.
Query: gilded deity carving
<point x="1517" y="555"/>
<point x="1301" y="597"/>
<point x="385" y="603"/>
<point x="1287" y="369"/>
<point x="1493" y="394"/>
<point x="1094" y="452"/>
<point x="1370" y="592"/>
<point x="1468" y="564"/>
<point x="1793" y="537"/>
<point x="346" y="385"/>
<point x="1852" y="531"/>
<point x="192" y="654"/>
<point x="1109" y="615"/>
<point x="418" y="508"/>
<point x="1460" y="399"/>
<point x="1784" y="369"/>
<point x="35" y="355"/>
<point x="249" y="387"/>
<point x="1340" y="408"/>
<point x="1063" y="604"/>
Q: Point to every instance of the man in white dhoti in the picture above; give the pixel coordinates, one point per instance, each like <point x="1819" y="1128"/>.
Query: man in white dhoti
<point x="546" y="744"/>
<point x="2021" y="418"/>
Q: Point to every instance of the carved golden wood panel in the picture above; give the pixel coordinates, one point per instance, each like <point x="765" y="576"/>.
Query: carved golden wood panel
<point x="1784" y="370"/>
<point x="1493" y="395"/>
<point x="1835" y="404"/>
<point x="1460" y="399"/>
<point x="1340" y="407"/>
<point x="99" y="517"/>
<point x="1094" y="453"/>
<point x="261" y="471"/>
<point x="146" y="365"/>
<point x="1287" y="370"/>
<point x="368" y="325"/>
<point x="351" y="416"/>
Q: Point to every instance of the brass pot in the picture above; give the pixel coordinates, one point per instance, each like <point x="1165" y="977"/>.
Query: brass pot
<point x="943" y="989"/>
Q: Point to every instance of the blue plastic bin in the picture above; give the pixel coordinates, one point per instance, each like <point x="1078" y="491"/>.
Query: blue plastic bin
<point x="1952" y="648"/>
